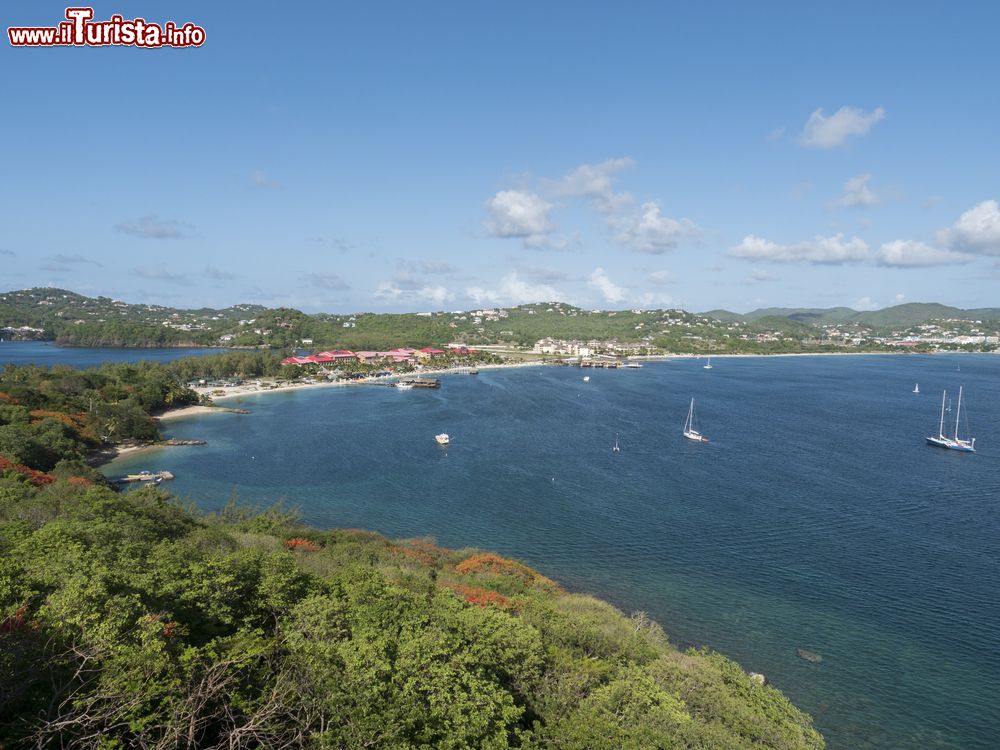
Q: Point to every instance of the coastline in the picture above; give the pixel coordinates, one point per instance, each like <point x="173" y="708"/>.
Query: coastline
<point x="253" y="390"/>
<point x="107" y="455"/>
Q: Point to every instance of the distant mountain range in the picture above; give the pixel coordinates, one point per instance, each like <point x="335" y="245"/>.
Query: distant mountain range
<point x="909" y="314"/>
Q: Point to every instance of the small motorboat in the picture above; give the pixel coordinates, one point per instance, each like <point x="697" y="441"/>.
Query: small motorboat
<point x="442" y="439"/>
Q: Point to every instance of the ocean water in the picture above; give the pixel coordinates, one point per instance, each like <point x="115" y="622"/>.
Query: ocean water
<point x="816" y="518"/>
<point x="47" y="354"/>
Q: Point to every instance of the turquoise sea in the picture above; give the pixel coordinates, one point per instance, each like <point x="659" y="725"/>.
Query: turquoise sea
<point x="816" y="518"/>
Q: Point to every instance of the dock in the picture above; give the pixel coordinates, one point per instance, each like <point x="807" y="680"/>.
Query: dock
<point x="422" y="382"/>
<point x="147" y="476"/>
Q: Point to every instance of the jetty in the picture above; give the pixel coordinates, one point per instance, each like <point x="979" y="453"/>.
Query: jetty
<point x="147" y="476"/>
<point x="421" y="382"/>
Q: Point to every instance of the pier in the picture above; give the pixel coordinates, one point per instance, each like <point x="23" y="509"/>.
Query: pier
<point x="147" y="476"/>
<point x="421" y="382"/>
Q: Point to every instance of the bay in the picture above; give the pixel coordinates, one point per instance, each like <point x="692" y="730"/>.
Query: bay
<point x="815" y="519"/>
<point x="47" y="354"/>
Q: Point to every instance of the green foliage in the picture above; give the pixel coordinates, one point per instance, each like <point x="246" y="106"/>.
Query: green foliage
<point x="50" y="415"/>
<point x="127" y="621"/>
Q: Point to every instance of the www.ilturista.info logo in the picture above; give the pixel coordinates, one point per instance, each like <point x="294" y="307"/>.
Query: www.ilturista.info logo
<point x="80" y="30"/>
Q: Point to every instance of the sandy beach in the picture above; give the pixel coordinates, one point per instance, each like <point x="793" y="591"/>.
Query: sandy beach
<point x="250" y="389"/>
<point x="107" y="455"/>
<point x="191" y="411"/>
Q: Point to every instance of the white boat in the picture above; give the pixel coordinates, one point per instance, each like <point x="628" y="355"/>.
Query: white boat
<point x="404" y="386"/>
<point x="586" y="378"/>
<point x="916" y="388"/>
<point x="442" y="439"/>
<point x="689" y="431"/>
<point x="616" y="449"/>
<point x="709" y="365"/>
<point x="954" y="443"/>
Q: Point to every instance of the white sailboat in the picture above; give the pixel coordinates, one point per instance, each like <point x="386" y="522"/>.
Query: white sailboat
<point x="916" y="388"/>
<point x="709" y="365"/>
<point x="689" y="431"/>
<point x="953" y="443"/>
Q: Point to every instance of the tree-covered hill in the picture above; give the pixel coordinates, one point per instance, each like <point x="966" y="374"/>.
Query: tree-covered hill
<point x="72" y="319"/>
<point x="129" y="621"/>
<point x="902" y="316"/>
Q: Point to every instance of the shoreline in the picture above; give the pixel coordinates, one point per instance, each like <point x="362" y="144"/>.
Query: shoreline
<point x="253" y="390"/>
<point x="107" y="455"/>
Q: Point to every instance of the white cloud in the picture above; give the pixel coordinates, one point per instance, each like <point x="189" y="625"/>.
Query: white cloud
<point x="595" y="181"/>
<point x="655" y="299"/>
<point x="609" y="290"/>
<point x="218" y="274"/>
<point x="799" y="190"/>
<point x="866" y="304"/>
<point x="513" y="290"/>
<point x="544" y="273"/>
<point x="776" y="134"/>
<point x="900" y="297"/>
<point x="651" y="232"/>
<point x="913" y="254"/>
<point x="161" y="274"/>
<point x="259" y="178"/>
<point x="833" y="131"/>
<point x="391" y="291"/>
<point x="661" y="277"/>
<point x="153" y="227"/>
<point x="516" y="213"/>
<point x="976" y="231"/>
<point x="325" y="281"/>
<point x="857" y="193"/>
<point x="428" y="266"/>
<point x="759" y="275"/>
<point x="821" y="250"/>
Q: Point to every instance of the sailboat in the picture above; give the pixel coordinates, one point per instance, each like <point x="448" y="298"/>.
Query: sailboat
<point x="689" y="431"/>
<point x="954" y="443"/>
<point x="709" y="365"/>
<point x="916" y="388"/>
<point x="616" y="449"/>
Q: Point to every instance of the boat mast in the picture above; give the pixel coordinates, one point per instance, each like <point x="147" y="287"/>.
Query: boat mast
<point x="944" y="395"/>
<point x="958" y="411"/>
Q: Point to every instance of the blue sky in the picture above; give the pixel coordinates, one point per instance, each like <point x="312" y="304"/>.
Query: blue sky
<point x="448" y="155"/>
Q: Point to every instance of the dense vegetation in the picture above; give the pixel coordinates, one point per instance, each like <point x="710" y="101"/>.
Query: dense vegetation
<point x="130" y="621"/>
<point x="57" y="416"/>
<point x="70" y="318"/>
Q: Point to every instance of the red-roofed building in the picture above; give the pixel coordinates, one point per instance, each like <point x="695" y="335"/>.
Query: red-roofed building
<point x="429" y="353"/>
<point x="340" y="355"/>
